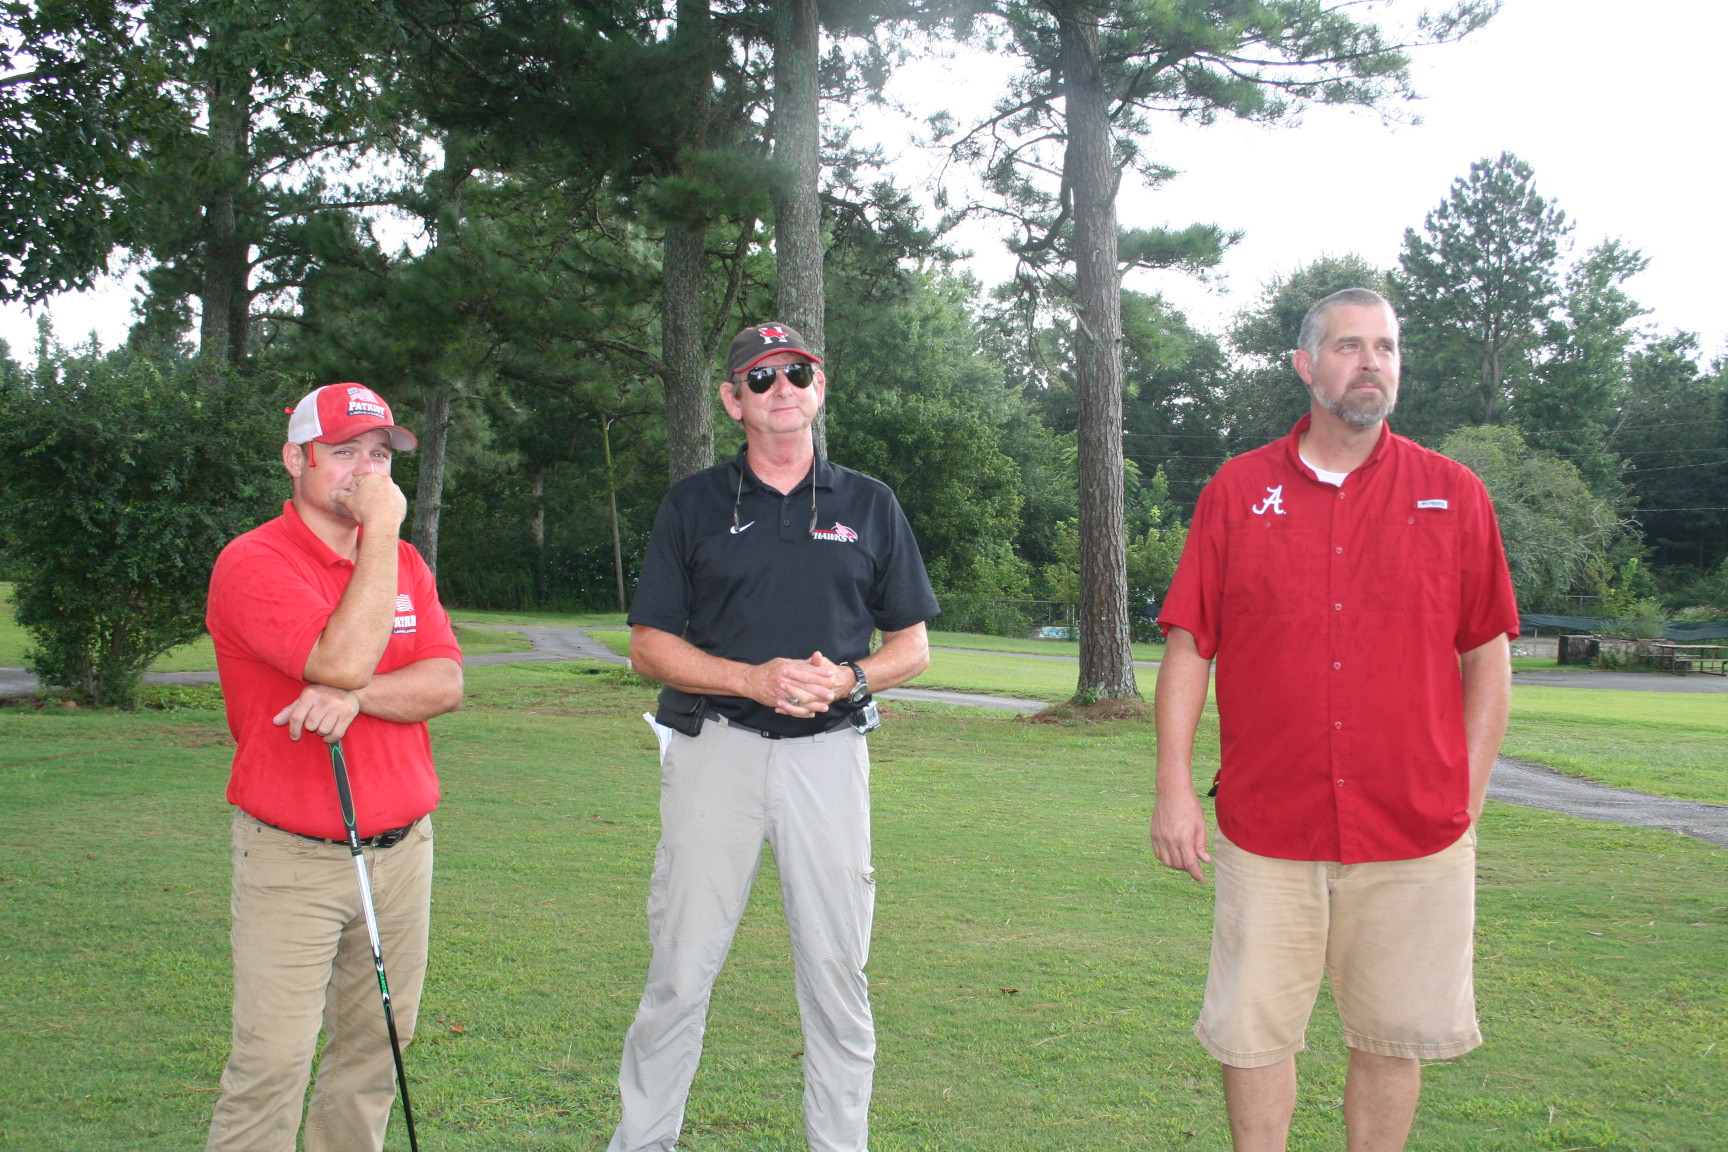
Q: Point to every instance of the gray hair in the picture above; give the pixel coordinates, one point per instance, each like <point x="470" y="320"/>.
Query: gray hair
<point x="1314" y="322"/>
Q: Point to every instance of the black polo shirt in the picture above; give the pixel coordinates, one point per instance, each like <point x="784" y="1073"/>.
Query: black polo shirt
<point x="762" y="585"/>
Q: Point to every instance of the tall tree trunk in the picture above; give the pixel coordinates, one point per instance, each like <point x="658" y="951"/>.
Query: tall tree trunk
<point x="429" y="491"/>
<point x="224" y="297"/>
<point x="799" y="295"/>
<point x="684" y="355"/>
<point x="612" y="513"/>
<point x="1106" y="656"/>
<point x="537" y="531"/>
<point x="435" y="432"/>
<point x="689" y="400"/>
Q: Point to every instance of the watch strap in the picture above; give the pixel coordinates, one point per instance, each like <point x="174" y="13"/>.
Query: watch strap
<point x="862" y="688"/>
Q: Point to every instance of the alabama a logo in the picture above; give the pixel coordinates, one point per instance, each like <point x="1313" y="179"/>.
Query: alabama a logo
<point x="1274" y="502"/>
<point x="839" y="533"/>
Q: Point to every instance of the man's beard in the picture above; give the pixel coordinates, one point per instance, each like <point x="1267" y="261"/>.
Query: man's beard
<point x="1359" y="407"/>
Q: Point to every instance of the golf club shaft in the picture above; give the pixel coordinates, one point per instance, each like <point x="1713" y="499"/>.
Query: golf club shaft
<point x="345" y="795"/>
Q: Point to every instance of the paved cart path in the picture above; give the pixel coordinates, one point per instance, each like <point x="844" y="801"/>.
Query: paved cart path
<point x="1515" y="781"/>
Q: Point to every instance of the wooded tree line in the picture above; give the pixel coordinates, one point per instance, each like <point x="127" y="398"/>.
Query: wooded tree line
<point x="532" y="223"/>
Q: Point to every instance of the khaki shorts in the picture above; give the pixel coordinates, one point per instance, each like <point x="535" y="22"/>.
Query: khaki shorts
<point x="1395" y="937"/>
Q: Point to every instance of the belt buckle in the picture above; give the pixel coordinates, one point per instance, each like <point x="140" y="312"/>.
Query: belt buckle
<point x="391" y="837"/>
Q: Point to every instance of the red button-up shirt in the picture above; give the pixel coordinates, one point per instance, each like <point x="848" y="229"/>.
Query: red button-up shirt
<point x="1336" y="615"/>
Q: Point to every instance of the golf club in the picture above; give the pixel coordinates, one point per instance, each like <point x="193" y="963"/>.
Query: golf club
<point x="346" y="795"/>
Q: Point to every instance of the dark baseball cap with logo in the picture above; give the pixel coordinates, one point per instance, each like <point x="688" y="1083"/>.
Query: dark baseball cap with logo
<point x="336" y="413"/>
<point x="753" y="345"/>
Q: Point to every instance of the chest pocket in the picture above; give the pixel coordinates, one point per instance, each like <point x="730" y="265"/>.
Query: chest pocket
<point x="1413" y="564"/>
<point x="1271" y="566"/>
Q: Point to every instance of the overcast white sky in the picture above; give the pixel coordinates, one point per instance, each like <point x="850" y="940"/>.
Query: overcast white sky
<point x="1613" y="105"/>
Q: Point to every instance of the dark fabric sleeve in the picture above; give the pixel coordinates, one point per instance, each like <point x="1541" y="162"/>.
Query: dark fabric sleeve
<point x="901" y="595"/>
<point x="663" y="594"/>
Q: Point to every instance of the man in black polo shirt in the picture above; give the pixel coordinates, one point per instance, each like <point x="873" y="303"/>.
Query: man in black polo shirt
<point x="764" y="579"/>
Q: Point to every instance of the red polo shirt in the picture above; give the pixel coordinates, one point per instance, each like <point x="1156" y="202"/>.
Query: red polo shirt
<point x="271" y="593"/>
<point x="1336" y="616"/>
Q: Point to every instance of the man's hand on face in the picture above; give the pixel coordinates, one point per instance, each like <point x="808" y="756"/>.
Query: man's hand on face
<point x="373" y="501"/>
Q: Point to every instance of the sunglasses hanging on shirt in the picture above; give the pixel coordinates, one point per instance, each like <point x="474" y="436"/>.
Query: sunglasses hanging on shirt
<point x="739" y="495"/>
<point x="799" y="374"/>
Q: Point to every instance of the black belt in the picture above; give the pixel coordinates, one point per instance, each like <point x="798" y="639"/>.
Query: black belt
<point x="839" y="721"/>
<point x="388" y="838"/>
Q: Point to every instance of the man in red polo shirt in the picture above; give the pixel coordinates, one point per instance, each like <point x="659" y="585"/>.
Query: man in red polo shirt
<point x="327" y="627"/>
<point x="1352" y="588"/>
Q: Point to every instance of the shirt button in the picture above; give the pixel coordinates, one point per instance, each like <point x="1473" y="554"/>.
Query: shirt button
<point x="1337" y="607"/>
<point x="1340" y="551"/>
<point x="1337" y="723"/>
<point x="1340" y="495"/>
<point x="1336" y="665"/>
<point x="1340" y="783"/>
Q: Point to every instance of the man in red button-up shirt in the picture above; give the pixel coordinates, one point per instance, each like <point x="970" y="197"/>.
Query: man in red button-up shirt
<point x="1352" y="588"/>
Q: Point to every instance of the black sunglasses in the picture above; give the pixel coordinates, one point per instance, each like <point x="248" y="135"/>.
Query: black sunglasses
<point x="800" y="373"/>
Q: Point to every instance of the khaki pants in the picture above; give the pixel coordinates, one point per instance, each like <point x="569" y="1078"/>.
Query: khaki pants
<point x="722" y="795"/>
<point x="302" y="963"/>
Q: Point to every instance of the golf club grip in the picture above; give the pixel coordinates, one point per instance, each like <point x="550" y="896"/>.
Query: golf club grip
<point x="344" y="794"/>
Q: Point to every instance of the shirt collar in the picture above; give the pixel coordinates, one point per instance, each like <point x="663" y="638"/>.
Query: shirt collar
<point x="823" y="470"/>
<point x="307" y="540"/>
<point x="1293" y="446"/>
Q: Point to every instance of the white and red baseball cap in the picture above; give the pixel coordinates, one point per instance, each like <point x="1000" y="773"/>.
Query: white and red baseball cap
<point x="337" y="413"/>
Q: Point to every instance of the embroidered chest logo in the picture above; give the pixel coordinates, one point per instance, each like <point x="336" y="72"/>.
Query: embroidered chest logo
<point x="1274" y="502"/>
<point x="406" y="620"/>
<point x="839" y="532"/>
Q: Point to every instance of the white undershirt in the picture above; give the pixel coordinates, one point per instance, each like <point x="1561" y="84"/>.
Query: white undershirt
<point x="1336" y="479"/>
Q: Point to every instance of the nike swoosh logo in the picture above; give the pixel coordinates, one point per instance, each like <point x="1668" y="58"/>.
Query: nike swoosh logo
<point x="737" y="528"/>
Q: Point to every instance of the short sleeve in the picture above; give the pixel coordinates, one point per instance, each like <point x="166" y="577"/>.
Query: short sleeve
<point x="1487" y="606"/>
<point x="434" y="636"/>
<point x="1196" y="592"/>
<point x="663" y="594"/>
<point x="901" y="595"/>
<point x="266" y="606"/>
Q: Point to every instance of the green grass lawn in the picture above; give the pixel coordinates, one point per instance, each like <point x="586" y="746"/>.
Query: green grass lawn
<point x="13" y="639"/>
<point x="1666" y="743"/>
<point x="1068" y="648"/>
<point x="1035" y="972"/>
<point x="538" y="619"/>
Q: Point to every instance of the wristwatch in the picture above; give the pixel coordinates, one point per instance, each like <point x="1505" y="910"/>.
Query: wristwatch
<point x="862" y="688"/>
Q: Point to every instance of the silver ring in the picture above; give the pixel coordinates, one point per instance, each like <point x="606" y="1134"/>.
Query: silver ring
<point x="791" y="699"/>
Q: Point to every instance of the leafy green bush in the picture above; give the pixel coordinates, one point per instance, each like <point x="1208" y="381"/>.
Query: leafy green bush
<point x="121" y="478"/>
<point x="1641" y="619"/>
